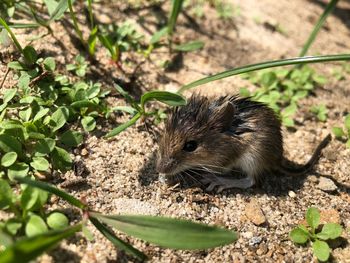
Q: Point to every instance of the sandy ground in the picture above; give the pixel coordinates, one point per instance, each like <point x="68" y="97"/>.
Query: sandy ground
<point x="120" y="176"/>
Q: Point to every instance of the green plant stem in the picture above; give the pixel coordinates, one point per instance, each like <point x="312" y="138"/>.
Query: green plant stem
<point x="3" y="80"/>
<point x="91" y="17"/>
<point x="264" y="65"/>
<point x="14" y="39"/>
<point x="318" y="26"/>
<point x="176" y="8"/>
<point x="75" y="22"/>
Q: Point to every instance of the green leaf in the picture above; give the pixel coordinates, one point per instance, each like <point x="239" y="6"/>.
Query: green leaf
<point x="313" y="217"/>
<point x="5" y="239"/>
<point x="6" y="194"/>
<point x="175" y="11"/>
<point x="53" y="190"/>
<point x="87" y="233"/>
<point x="12" y="226"/>
<point x="92" y="40"/>
<point x="127" y="109"/>
<point x="83" y="103"/>
<point x="158" y="35"/>
<point x="61" y="159"/>
<point x="17" y="170"/>
<point x="330" y="231"/>
<point x="40" y="164"/>
<point x="288" y="122"/>
<point x="8" y="159"/>
<point x="298" y="235"/>
<point x="49" y="64"/>
<point x="190" y="46"/>
<point x="338" y="132"/>
<point x="44" y="146"/>
<point x="321" y="250"/>
<point x="25" y="114"/>
<point x="166" y="97"/>
<point x="123" y="126"/>
<point x="290" y="110"/>
<point x="59" y="118"/>
<point x="9" y="94"/>
<point x="264" y="65"/>
<point x="60" y="9"/>
<point x="347" y="122"/>
<point x="30" y="55"/>
<point x="35" y="226"/>
<point x="57" y="220"/>
<point x="117" y="241"/>
<point x="41" y="113"/>
<point x="319" y="79"/>
<point x="72" y="138"/>
<point x="16" y="65"/>
<point x="51" y="5"/>
<point x="29" y="198"/>
<point x="170" y="232"/>
<point x="107" y="43"/>
<point x="28" y="249"/>
<point x="11" y="124"/>
<point x="93" y="91"/>
<point x="124" y="93"/>
<point x="88" y="123"/>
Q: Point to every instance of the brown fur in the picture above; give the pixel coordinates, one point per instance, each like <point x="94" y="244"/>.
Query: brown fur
<point x="231" y="132"/>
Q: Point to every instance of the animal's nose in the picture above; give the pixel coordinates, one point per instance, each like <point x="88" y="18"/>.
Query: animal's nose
<point x="165" y="165"/>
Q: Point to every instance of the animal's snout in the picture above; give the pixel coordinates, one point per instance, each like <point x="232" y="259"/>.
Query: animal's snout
<point x="166" y="165"/>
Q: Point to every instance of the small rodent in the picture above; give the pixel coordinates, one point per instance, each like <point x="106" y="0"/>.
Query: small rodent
<point x="217" y="136"/>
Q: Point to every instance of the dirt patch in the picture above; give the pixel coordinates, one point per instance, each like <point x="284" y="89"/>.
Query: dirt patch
<point x="122" y="178"/>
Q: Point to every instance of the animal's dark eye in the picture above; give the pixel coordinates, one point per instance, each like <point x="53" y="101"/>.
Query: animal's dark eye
<point x="190" y="146"/>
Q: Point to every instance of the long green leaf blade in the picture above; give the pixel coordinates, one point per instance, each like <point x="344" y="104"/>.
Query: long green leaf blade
<point x="264" y="65"/>
<point x="117" y="241"/>
<point x="166" y="97"/>
<point x="170" y="232"/>
<point x="14" y="39"/>
<point x="21" y="25"/>
<point x="123" y="126"/>
<point x="331" y="5"/>
<point x="176" y="8"/>
<point x="28" y="249"/>
<point x="51" y="189"/>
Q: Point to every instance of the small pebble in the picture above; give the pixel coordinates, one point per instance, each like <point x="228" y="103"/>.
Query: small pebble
<point x="292" y="194"/>
<point x="247" y="235"/>
<point x="255" y="241"/>
<point x="326" y="185"/>
<point x="254" y="213"/>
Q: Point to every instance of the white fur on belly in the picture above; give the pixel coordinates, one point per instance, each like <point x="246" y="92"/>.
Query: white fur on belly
<point x="248" y="163"/>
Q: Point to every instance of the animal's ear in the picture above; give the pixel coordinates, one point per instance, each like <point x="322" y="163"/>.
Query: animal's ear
<point x="222" y="117"/>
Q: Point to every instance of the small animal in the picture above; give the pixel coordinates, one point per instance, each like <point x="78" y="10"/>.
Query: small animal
<point x="216" y="137"/>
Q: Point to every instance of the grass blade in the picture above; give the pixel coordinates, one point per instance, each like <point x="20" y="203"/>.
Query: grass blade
<point x="175" y="10"/>
<point x="123" y="126"/>
<point x="117" y="241"/>
<point x="166" y="97"/>
<point x="264" y="65"/>
<point x="28" y="249"/>
<point x="170" y="232"/>
<point x="75" y="22"/>
<point x="60" y="9"/>
<point x="319" y="24"/>
<point x="51" y="189"/>
<point x="20" y="25"/>
<point x="190" y="46"/>
<point x="14" y="39"/>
